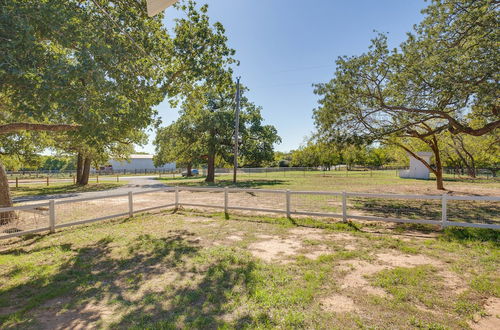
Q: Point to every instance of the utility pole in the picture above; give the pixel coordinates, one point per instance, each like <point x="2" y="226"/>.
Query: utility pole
<point x="236" y="128"/>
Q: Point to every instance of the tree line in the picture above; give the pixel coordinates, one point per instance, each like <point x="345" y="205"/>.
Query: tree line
<point x="82" y="78"/>
<point x="437" y="91"/>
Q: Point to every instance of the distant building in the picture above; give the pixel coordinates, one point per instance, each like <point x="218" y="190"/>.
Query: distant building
<point x="417" y="169"/>
<point x="137" y="162"/>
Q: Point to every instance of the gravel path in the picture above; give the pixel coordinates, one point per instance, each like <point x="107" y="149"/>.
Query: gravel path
<point x="135" y="184"/>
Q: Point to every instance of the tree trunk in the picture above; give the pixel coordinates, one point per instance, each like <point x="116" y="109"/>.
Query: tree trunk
<point x="5" y="199"/>
<point x="439" y="166"/>
<point x="189" y="171"/>
<point x="210" y="168"/>
<point x="86" y="172"/>
<point x="79" y="167"/>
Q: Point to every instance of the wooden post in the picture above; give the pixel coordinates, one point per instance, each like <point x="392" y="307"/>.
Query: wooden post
<point x="52" y="216"/>
<point x="74" y="179"/>
<point x="287" y="195"/>
<point x="47" y="181"/>
<point x="344" y="206"/>
<point x="130" y="204"/>
<point x="117" y="178"/>
<point x="17" y="182"/>
<point x="444" y="210"/>
<point x="226" y="199"/>
<point x="97" y="178"/>
<point x="176" y="197"/>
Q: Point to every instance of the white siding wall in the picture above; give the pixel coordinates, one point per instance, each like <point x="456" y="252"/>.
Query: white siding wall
<point x="139" y="164"/>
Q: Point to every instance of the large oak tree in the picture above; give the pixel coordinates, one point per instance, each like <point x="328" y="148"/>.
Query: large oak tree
<point x="97" y="68"/>
<point x="444" y="74"/>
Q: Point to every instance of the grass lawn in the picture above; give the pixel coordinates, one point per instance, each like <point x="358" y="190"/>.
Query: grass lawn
<point x="200" y="270"/>
<point x="62" y="188"/>
<point x="353" y="181"/>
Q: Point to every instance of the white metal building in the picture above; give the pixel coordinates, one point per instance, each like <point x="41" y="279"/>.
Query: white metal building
<point x="138" y="162"/>
<point x="417" y="169"/>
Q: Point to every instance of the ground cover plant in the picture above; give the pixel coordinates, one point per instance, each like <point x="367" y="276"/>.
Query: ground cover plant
<point x="205" y="270"/>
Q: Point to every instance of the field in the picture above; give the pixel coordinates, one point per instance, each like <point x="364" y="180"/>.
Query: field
<point x="202" y="270"/>
<point x="61" y="188"/>
<point x="386" y="181"/>
<point x="378" y="182"/>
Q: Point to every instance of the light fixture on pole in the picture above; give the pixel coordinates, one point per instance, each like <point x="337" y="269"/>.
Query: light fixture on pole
<point x="157" y="6"/>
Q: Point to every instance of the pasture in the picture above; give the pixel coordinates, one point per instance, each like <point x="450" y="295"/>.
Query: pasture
<point x="386" y="181"/>
<point x="202" y="270"/>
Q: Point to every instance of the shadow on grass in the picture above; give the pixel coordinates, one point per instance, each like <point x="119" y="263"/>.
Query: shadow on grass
<point x="461" y="211"/>
<point x="203" y="305"/>
<point x="97" y="280"/>
<point x="25" y="193"/>
<point x="91" y="273"/>
<point x="472" y="235"/>
<point x="243" y="183"/>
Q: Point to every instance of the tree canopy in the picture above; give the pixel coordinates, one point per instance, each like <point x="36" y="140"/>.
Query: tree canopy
<point x="441" y="78"/>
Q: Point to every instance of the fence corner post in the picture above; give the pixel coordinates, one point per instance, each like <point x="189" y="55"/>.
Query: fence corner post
<point x="52" y="216"/>
<point x="176" y="197"/>
<point x="226" y="199"/>
<point x="344" y="206"/>
<point x="130" y="204"/>
<point x="288" y="213"/>
<point x="444" y="210"/>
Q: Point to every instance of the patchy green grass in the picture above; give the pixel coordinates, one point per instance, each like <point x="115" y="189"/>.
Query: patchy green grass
<point x="379" y="182"/>
<point x="205" y="270"/>
<point x="362" y="181"/>
<point x="62" y="188"/>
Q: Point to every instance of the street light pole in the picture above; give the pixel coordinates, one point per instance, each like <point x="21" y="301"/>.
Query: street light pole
<point x="236" y="128"/>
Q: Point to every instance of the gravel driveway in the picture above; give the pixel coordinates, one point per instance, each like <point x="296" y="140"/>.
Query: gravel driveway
<point x="135" y="184"/>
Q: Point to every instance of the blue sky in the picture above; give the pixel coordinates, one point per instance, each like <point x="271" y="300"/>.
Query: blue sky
<point x="285" y="46"/>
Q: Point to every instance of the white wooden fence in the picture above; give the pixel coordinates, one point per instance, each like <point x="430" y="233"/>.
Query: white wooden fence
<point x="54" y="214"/>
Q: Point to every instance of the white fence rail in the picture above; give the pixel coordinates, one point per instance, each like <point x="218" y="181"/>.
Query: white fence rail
<point x="54" y="214"/>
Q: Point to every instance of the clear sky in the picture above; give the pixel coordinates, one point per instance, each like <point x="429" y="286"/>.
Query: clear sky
<point x="285" y="46"/>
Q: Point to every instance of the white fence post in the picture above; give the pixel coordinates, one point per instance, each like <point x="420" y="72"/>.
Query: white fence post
<point x="176" y="197"/>
<point x="52" y="216"/>
<point x="226" y="199"/>
<point x="444" y="210"/>
<point x="344" y="206"/>
<point x="287" y="194"/>
<point x="130" y="204"/>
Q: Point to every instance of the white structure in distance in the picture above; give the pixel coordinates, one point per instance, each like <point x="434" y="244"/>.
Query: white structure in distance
<point x="417" y="169"/>
<point x="136" y="162"/>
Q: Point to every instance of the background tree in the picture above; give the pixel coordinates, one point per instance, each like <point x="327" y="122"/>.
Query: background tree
<point x="208" y="113"/>
<point x="96" y="69"/>
<point x="440" y="76"/>
<point x="178" y="143"/>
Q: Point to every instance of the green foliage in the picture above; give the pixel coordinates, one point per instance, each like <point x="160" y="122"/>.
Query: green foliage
<point x="443" y="77"/>
<point x="102" y="65"/>
<point x="206" y="127"/>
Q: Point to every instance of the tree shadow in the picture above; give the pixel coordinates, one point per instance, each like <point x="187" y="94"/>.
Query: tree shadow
<point x="89" y="274"/>
<point x="203" y="305"/>
<point x="242" y="183"/>
<point x="461" y="211"/>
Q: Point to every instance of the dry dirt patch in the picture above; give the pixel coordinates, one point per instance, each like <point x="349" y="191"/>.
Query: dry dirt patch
<point x="492" y="320"/>
<point x="83" y="317"/>
<point x="357" y="271"/>
<point x="275" y="249"/>
<point x="403" y="260"/>
<point x="338" y="303"/>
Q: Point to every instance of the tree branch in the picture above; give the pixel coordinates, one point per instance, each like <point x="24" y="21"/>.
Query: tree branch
<point x="15" y="127"/>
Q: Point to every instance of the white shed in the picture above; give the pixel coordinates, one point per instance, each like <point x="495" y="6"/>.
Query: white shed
<point x="138" y="162"/>
<point x="417" y="169"/>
